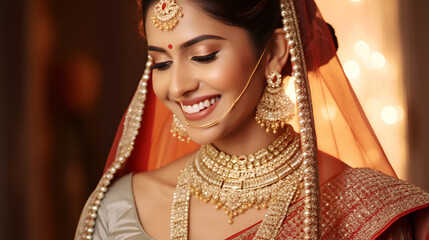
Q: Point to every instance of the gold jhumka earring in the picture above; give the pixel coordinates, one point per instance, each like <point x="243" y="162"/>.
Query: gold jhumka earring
<point x="275" y="108"/>
<point x="178" y="130"/>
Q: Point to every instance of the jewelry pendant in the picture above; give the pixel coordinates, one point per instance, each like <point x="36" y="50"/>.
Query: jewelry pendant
<point x="166" y="13"/>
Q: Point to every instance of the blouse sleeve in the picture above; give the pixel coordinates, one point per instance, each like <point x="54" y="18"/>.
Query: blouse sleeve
<point x="101" y="228"/>
<point x="117" y="216"/>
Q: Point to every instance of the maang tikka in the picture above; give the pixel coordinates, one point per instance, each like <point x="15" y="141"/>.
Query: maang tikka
<point x="178" y="130"/>
<point x="166" y="13"/>
<point x="275" y="108"/>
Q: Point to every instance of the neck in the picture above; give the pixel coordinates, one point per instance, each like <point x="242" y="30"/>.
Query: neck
<point x="246" y="139"/>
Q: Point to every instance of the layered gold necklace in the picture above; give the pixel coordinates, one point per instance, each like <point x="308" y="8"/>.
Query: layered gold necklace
<point x="270" y="178"/>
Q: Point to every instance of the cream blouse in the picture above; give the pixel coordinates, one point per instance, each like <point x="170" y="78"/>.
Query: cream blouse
<point x="117" y="216"/>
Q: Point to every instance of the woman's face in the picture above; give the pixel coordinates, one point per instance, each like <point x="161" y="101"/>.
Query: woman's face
<point x="200" y="68"/>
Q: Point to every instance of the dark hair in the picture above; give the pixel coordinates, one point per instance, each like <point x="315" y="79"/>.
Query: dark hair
<point x="258" y="17"/>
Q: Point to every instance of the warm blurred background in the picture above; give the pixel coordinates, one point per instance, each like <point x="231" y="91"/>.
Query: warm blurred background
<point x="69" y="68"/>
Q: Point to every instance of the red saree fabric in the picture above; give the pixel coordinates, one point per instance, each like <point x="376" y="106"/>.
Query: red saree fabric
<point x="357" y="204"/>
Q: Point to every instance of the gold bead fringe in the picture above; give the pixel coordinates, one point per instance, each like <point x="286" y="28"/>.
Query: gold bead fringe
<point x="178" y="130"/>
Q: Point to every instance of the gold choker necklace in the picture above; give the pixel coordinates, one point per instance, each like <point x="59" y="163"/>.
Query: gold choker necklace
<point x="269" y="178"/>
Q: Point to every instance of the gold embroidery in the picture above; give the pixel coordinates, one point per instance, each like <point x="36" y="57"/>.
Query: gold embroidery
<point x="357" y="204"/>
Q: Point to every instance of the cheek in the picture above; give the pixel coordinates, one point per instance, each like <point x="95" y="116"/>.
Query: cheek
<point x="160" y="88"/>
<point x="230" y="75"/>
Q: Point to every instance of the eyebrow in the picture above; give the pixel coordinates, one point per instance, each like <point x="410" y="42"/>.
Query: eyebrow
<point x="188" y="43"/>
<point x="156" y="49"/>
<point x="199" y="39"/>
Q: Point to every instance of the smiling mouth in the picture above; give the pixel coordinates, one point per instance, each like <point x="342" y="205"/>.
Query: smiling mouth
<point x="199" y="106"/>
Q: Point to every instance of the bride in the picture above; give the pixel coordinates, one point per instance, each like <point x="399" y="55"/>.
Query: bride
<point x="262" y="164"/>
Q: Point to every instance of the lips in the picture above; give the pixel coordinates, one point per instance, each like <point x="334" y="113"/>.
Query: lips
<point x="198" y="108"/>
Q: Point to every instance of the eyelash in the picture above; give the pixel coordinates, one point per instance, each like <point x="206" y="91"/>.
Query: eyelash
<point x="161" y="66"/>
<point x="205" y="58"/>
<point x="202" y="59"/>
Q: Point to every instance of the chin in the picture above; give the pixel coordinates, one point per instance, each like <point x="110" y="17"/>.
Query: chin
<point x="205" y="136"/>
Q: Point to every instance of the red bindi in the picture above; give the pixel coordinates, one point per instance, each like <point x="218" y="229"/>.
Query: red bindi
<point x="170" y="46"/>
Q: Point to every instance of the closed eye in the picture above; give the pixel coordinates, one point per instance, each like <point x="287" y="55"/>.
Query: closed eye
<point x="206" y="58"/>
<point x="161" y="66"/>
<point x="202" y="59"/>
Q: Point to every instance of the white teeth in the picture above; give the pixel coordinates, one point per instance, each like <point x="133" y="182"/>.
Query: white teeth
<point x="200" y="106"/>
<point x="206" y="103"/>
<point x="195" y="108"/>
<point x="188" y="108"/>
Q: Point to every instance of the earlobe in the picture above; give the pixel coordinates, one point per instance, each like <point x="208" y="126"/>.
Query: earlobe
<point x="278" y="52"/>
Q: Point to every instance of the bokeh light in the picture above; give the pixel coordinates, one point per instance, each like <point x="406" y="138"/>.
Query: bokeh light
<point x="389" y="115"/>
<point x="377" y="59"/>
<point x="352" y="69"/>
<point x="400" y="112"/>
<point x="362" y="49"/>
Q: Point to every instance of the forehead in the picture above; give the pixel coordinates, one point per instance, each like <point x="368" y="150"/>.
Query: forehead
<point x="195" y="22"/>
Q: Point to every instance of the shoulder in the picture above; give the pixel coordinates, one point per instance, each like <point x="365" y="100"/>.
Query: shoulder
<point x="120" y="188"/>
<point x="365" y="179"/>
<point x="368" y="185"/>
<point x="153" y="194"/>
<point x="361" y="202"/>
<point x="155" y="187"/>
<point x="117" y="216"/>
<point x="119" y="196"/>
<point x="166" y="176"/>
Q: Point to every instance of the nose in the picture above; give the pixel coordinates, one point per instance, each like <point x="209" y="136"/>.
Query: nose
<point x="182" y="81"/>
